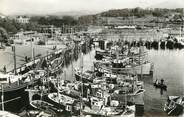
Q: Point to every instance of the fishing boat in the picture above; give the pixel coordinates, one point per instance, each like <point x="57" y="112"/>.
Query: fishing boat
<point x="43" y="105"/>
<point x="86" y="77"/>
<point x="118" y="87"/>
<point x="134" y="62"/>
<point x="98" y="107"/>
<point x="145" y="68"/>
<point x="100" y="54"/>
<point x="61" y="99"/>
<point x="122" y="51"/>
<point x="174" y="105"/>
<point x="111" y="112"/>
<point x="67" y="103"/>
<point x="38" y="113"/>
<point x="160" y="85"/>
<point x="68" y="88"/>
<point x="13" y="89"/>
<point x="131" y="88"/>
<point x="135" y="97"/>
<point x="7" y="114"/>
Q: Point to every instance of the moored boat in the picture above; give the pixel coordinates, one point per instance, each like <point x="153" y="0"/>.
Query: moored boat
<point x="174" y="105"/>
<point x="160" y="85"/>
<point x="7" y="114"/>
<point x="98" y="107"/>
<point x="85" y="77"/>
<point x="43" y="105"/>
<point x="60" y="99"/>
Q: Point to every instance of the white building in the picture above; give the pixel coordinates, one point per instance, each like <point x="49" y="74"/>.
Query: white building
<point x="23" y="19"/>
<point x="28" y="37"/>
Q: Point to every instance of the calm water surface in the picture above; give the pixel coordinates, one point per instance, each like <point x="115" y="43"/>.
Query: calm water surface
<point x="168" y="65"/>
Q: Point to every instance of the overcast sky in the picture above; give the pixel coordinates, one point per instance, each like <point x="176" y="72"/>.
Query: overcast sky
<point x="9" y="7"/>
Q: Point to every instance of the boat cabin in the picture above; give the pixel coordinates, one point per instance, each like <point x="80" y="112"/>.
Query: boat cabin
<point x="96" y="103"/>
<point x="9" y="78"/>
<point x="4" y="78"/>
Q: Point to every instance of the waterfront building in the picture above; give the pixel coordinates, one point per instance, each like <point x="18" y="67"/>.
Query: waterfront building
<point x="27" y="37"/>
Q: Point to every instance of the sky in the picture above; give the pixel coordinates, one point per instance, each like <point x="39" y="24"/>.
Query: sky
<point x="11" y="7"/>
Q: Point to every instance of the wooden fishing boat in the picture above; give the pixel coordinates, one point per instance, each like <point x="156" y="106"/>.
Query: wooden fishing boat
<point x="98" y="108"/>
<point x="174" y="105"/>
<point x="43" y="105"/>
<point x="144" y="68"/>
<point x="160" y="85"/>
<point x="38" y="113"/>
<point x="61" y="99"/>
<point x="85" y="77"/>
<point x="7" y="114"/>
<point x="13" y="89"/>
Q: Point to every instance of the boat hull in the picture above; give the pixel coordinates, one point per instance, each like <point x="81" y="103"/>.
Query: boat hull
<point x="84" y="80"/>
<point x="15" y="99"/>
<point x="172" y="107"/>
<point x="144" y="69"/>
<point x="89" y="111"/>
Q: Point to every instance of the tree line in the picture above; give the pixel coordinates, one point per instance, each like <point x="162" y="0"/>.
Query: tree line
<point x="139" y="12"/>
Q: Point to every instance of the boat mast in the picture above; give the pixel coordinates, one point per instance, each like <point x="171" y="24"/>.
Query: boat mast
<point x="32" y="50"/>
<point x="14" y="58"/>
<point x="2" y="97"/>
<point x="65" y="74"/>
<point x="72" y="62"/>
<point x="125" y="98"/>
<point x="58" y="88"/>
<point x="47" y="76"/>
<point x="81" y="106"/>
<point x="140" y="60"/>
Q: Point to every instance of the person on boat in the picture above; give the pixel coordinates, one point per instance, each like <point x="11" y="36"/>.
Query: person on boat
<point x="26" y="59"/>
<point x="162" y="84"/>
<point x="9" y="80"/>
<point x="162" y="81"/>
<point x="4" y="68"/>
<point x="156" y="82"/>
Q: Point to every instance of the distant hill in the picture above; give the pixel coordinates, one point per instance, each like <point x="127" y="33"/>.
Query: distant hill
<point x="74" y="13"/>
<point x="61" y="14"/>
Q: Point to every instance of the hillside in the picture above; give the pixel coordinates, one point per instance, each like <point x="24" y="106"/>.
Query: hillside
<point x="139" y="12"/>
